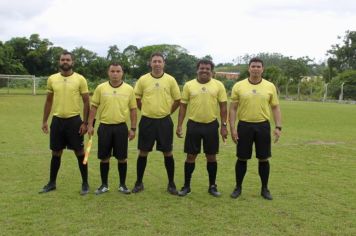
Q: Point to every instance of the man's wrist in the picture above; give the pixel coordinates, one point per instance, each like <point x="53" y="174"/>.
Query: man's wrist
<point x="133" y="129"/>
<point x="279" y="127"/>
<point x="85" y="122"/>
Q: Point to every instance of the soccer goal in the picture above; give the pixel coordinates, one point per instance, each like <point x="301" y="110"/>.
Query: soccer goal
<point x="22" y="84"/>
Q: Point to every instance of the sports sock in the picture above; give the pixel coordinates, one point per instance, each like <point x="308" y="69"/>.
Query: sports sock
<point x="83" y="168"/>
<point x="169" y="163"/>
<point x="122" y="167"/>
<point x="188" y="171"/>
<point x="140" y="168"/>
<point x="263" y="171"/>
<point x="212" y="168"/>
<point x="240" y="171"/>
<point x="55" y="164"/>
<point x="104" y="172"/>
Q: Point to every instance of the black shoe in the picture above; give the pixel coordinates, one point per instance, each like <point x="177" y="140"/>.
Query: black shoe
<point x="266" y="194"/>
<point x="138" y="188"/>
<point x="214" y="191"/>
<point x="236" y="193"/>
<point x="123" y="189"/>
<point x="172" y="189"/>
<point x="49" y="187"/>
<point x="184" y="191"/>
<point x="102" y="189"/>
<point x="85" y="189"/>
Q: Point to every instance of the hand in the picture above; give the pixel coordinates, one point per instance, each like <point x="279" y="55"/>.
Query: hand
<point x="132" y="134"/>
<point x="83" y="129"/>
<point x="224" y="133"/>
<point x="90" y="130"/>
<point x="234" y="136"/>
<point x="277" y="134"/>
<point x="179" y="132"/>
<point x="45" y="127"/>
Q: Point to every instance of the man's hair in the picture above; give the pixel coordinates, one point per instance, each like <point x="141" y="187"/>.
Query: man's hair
<point x="115" y="63"/>
<point x="157" y="54"/>
<point x="206" y="62"/>
<point x="255" y="59"/>
<point x="65" y="52"/>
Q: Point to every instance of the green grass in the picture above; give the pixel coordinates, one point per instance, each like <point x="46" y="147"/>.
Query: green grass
<point x="312" y="181"/>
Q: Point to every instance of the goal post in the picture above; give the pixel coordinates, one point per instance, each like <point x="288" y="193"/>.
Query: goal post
<point x="20" y="84"/>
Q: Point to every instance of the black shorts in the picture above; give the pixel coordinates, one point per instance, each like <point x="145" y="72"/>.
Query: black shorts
<point x="64" y="133"/>
<point x="249" y="133"/>
<point x="112" y="141"/>
<point x="196" y="132"/>
<point x="159" y="130"/>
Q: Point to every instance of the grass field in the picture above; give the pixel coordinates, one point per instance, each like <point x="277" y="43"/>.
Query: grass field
<point x="313" y="181"/>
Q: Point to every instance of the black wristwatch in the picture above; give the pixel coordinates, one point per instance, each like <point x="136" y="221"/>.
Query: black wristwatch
<point x="133" y="129"/>
<point x="279" y="128"/>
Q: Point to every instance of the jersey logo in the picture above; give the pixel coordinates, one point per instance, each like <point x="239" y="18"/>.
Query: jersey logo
<point x="204" y="90"/>
<point x="114" y="92"/>
<point x="254" y="91"/>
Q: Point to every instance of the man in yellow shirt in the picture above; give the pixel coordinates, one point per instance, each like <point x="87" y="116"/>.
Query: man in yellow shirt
<point x="115" y="101"/>
<point x="203" y="95"/>
<point x="157" y="94"/>
<point x="251" y="102"/>
<point x="64" y="91"/>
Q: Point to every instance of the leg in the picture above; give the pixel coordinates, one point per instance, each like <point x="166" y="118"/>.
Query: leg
<point x="140" y="170"/>
<point x="240" y="171"/>
<point x="83" y="171"/>
<point x="212" y="167"/>
<point x="169" y="164"/>
<point x="189" y="167"/>
<point x="263" y="170"/>
<point x="54" y="168"/>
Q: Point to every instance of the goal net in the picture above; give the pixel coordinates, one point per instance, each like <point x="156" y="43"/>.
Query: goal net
<point x="22" y="84"/>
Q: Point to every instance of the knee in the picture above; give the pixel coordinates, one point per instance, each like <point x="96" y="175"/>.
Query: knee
<point x="210" y="158"/>
<point x="105" y="160"/>
<point x="191" y="158"/>
<point x="122" y="161"/>
<point x="57" y="153"/>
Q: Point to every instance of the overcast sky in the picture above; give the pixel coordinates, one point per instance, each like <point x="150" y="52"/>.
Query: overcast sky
<point x="224" y="29"/>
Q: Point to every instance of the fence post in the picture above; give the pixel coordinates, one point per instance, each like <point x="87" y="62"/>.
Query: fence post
<point x="326" y="92"/>
<point x="341" y="97"/>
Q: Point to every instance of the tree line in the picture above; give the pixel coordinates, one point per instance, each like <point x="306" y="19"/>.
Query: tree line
<point x="39" y="57"/>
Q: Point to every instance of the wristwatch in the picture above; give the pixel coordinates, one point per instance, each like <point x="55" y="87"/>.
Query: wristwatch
<point x="279" y="128"/>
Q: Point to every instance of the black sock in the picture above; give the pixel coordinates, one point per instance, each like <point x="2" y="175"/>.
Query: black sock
<point x="83" y="169"/>
<point x="212" y="168"/>
<point x="122" y="167"/>
<point x="169" y="163"/>
<point x="140" y="168"/>
<point x="188" y="171"/>
<point x="240" y="171"/>
<point x="263" y="171"/>
<point x="104" y="172"/>
<point x="55" y="164"/>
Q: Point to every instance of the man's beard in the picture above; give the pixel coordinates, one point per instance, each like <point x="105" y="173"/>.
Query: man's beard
<point x="65" y="67"/>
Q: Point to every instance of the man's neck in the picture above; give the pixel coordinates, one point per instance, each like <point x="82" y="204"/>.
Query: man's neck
<point x="255" y="80"/>
<point x="157" y="74"/>
<point x="66" y="73"/>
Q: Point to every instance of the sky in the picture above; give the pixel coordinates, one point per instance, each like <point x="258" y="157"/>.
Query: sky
<point x="224" y="29"/>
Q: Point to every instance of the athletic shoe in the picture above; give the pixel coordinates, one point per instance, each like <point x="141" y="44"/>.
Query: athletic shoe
<point x="85" y="189"/>
<point x="49" y="187"/>
<point x="266" y="194"/>
<point x="184" y="191"/>
<point x="138" y="188"/>
<point x="171" y="188"/>
<point x="214" y="191"/>
<point x="236" y="193"/>
<point x="102" y="189"/>
<point x="124" y="189"/>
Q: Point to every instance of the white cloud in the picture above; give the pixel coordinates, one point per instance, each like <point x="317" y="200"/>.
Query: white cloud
<point x="224" y="29"/>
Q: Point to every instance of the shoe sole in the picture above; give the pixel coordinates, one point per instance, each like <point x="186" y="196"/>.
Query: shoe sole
<point x="47" y="191"/>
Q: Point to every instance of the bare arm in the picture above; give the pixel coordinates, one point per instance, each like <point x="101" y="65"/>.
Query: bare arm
<point x="277" y="116"/>
<point x="46" y="112"/>
<point x="91" y="118"/>
<point x="86" y="107"/>
<point x="133" y="119"/>
<point x="223" y="118"/>
<point x="175" y="105"/>
<point x="232" y="120"/>
<point x="181" y="116"/>
<point x="139" y="103"/>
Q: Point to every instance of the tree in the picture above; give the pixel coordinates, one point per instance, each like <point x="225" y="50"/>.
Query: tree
<point x="343" y="56"/>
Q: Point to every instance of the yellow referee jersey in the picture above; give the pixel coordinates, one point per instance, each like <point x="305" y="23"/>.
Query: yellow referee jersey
<point x="254" y="100"/>
<point x="157" y="94"/>
<point x="67" y="91"/>
<point x="113" y="104"/>
<point x="203" y="99"/>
